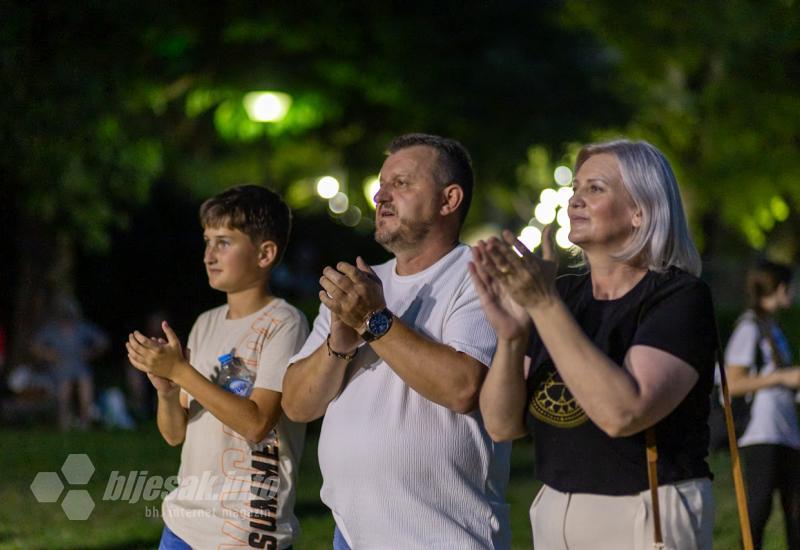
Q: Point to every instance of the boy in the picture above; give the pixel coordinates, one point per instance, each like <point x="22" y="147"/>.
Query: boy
<point x="240" y="454"/>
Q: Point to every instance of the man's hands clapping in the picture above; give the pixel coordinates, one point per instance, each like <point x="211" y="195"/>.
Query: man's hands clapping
<point x="351" y="292"/>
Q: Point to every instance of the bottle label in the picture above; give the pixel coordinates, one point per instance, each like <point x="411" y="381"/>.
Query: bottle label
<point x="240" y="387"/>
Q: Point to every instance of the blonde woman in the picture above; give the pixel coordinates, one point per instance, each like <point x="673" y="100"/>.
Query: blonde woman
<point x="587" y="363"/>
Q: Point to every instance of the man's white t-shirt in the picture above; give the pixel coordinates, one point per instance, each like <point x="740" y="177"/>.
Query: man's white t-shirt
<point x="232" y="493"/>
<point x="400" y="471"/>
<point x="773" y="417"/>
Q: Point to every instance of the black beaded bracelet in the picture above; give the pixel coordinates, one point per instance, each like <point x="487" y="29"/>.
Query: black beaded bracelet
<point x="345" y="356"/>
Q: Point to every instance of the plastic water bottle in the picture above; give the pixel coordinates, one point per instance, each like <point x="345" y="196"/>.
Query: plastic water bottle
<point x="234" y="376"/>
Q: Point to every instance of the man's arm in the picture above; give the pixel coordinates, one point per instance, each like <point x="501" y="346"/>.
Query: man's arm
<point x="311" y="384"/>
<point x="433" y="369"/>
<point x="251" y="417"/>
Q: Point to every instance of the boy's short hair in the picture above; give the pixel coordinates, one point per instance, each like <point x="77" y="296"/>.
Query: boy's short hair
<point x="256" y="211"/>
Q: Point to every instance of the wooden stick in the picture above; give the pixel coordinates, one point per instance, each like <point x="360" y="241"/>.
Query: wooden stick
<point x="652" y="478"/>
<point x="736" y="465"/>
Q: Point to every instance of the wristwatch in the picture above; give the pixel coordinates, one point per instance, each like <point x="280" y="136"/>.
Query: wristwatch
<point x="377" y="323"/>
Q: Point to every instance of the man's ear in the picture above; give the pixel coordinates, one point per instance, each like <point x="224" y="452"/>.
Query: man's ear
<point x="267" y="254"/>
<point x="452" y="197"/>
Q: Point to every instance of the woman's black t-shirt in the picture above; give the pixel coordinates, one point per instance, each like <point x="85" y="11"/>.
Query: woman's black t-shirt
<point x="671" y="311"/>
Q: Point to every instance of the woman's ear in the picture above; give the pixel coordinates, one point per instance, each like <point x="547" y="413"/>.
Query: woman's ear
<point x="267" y="254"/>
<point x="452" y="197"/>
<point x="636" y="220"/>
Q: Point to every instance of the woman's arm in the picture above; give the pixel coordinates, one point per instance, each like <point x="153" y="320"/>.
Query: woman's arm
<point x="621" y="401"/>
<point x="503" y="395"/>
<point x="741" y="381"/>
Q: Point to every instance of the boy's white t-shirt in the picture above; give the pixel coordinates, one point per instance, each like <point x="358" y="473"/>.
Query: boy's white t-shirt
<point x="232" y="493"/>
<point x="773" y="416"/>
<point x="400" y="471"/>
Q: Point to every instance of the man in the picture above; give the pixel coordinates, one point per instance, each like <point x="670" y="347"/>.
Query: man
<point x="395" y="362"/>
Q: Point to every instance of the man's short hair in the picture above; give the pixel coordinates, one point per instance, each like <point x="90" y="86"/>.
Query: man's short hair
<point x="454" y="163"/>
<point x="254" y="210"/>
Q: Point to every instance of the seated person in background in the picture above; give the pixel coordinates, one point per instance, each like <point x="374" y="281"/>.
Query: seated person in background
<point x="69" y="343"/>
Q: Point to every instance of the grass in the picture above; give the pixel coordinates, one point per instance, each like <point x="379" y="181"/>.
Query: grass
<point x="27" y="524"/>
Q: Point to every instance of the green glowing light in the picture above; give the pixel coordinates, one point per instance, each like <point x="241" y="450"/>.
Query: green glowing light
<point x="267" y="106"/>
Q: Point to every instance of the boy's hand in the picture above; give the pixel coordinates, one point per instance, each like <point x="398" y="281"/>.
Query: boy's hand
<point x="164" y="386"/>
<point x="159" y="358"/>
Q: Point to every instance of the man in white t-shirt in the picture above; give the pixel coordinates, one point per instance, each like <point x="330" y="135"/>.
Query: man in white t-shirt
<point x="236" y="484"/>
<point x="395" y="362"/>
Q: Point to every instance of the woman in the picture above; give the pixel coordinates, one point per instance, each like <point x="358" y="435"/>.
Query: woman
<point x="627" y="346"/>
<point x="757" y="358"/>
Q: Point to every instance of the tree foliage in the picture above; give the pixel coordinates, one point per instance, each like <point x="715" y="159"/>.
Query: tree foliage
<point x="107" y="98"/>
<point x="104" y="99"/>
<point x="714" y="85"/>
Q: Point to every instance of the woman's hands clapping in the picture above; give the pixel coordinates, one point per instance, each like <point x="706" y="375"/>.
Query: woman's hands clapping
<point x="510" y="283"/>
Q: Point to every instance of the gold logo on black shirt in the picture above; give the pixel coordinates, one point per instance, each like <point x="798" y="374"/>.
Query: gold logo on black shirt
<point x="553" y="403"/>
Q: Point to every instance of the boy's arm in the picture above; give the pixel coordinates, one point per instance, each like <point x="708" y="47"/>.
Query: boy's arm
<point x="252" y="417"/>
<point x="171" y="417"/>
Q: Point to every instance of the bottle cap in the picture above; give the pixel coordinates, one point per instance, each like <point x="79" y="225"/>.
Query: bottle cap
<point x="225" y="358"/>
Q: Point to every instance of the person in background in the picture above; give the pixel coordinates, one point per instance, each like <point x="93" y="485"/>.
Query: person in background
<point x="759" y="365"/>
<point x="68" y="343"/>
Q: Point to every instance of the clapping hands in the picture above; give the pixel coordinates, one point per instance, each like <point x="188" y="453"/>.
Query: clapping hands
<point x="511" y="280"/>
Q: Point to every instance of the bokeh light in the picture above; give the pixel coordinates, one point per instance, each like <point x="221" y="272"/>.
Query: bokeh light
<point x="549" y="197"/>
<point x="351" y="217"/>
<point x="562" y="175"/>
<point x="327" y="187"/>
<point x="564" y="194"/>
<point x="563" y="217"/>
<point x="545" y="213"/>
<point x="779" y="208"/>
<point x="267" y="106"/>
<point x="562" y="238"/>
<point x="339" y="203"/>
<point x="530" y="237"/>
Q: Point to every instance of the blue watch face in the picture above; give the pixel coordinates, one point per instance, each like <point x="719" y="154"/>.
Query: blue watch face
<point x="379" y="323"/>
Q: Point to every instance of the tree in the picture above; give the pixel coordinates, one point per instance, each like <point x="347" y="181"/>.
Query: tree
<point x="714" y="85"/>
<point x="107" y="99"/>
